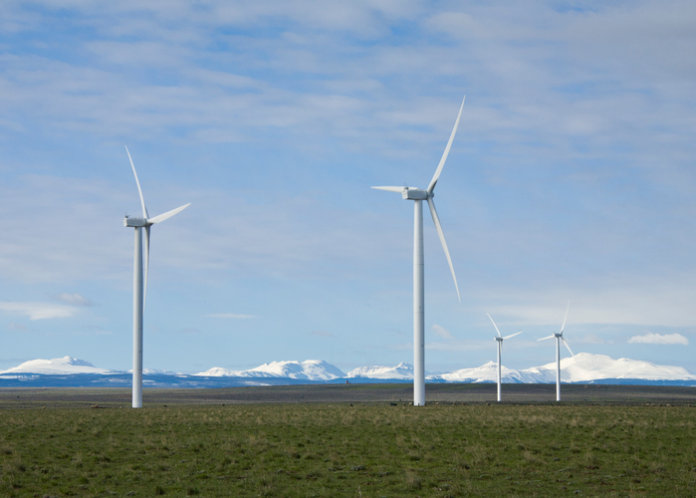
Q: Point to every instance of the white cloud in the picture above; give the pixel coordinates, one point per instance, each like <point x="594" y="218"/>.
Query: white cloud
<point x="230" y="316"/>
<point x="38" y="311"/>
<point x="653" y="338"/>
<point x="442" y="331"/>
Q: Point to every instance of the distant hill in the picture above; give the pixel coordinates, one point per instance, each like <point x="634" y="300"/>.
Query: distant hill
<point x="583" y="367"/>
<point x="586" y="367"/>
<point x="314" y="370"/>
<point x="402" y="371"/>
<point x="62" y="366"/>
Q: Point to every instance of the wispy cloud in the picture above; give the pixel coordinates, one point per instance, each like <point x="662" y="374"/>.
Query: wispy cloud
<point x="55" y="251"/>
<point x="633" y="301"/>
<point x="38" y="311"/>
<point x="73" y="299"/>
<point x="189" y="330"/>
<point x="321" y="333"/>
<point x="441" y="331"/>
<point x="653" y="338"/>
<point x="230" y="316"/>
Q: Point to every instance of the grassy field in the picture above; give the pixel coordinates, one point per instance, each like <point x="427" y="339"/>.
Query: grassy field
<point x="378" y="448"/>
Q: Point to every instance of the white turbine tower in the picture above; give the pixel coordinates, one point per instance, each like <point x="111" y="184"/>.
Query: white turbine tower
<point x="140" y="283"/>
<point x="559" y="338"/>
<point x="418" y="195"/>
<point x="499" y="339"/>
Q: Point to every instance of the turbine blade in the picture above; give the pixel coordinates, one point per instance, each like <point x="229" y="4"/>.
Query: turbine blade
<point x="565" y="343"/>
<point x="546" y="338"/>
<point x="496" y="327"/>
<point x="137" y="182"/>
<point x="512" y="335"/>
<point x="168" y="214"/>
<point x="565" y="318"/>
<point x="436" y="220"/>
<point x="436" y="176"/>
<point x="147" y="261"/>
<point x="390" y="189"/>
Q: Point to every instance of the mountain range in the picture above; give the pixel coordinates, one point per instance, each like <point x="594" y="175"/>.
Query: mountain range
<point x="581" y="368"/>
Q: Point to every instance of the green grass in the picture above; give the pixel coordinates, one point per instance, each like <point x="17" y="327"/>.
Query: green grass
<point x="349" y="450"/>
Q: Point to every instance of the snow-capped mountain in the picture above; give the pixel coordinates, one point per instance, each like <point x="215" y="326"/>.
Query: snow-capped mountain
<point x="488" y="372"/>
<point x="402" y="371"/>
<point x="586" y="367"/>
<point x="66" y="365"/>
<point x="583" y="367"/>
<point x="315" y="370"/>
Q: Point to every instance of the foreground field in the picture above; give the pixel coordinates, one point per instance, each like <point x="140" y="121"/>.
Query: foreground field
<point x="344" y="449"/>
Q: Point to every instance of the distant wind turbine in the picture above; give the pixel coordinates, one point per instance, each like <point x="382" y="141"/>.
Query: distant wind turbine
<point x="140" y="283"/>
<point x="559" y="338"/>
<point x="418" y="195"/>
<point x="499" y="339"/>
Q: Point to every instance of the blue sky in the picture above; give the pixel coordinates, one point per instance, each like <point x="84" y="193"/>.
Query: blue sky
<point x="572" y="178"/>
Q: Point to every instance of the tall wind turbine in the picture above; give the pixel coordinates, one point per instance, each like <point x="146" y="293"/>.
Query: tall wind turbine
<point x="418" y="195"/>
<point x="499" y="339"/>
<point x="559" y="338"/>
<point x="140" y="283"/>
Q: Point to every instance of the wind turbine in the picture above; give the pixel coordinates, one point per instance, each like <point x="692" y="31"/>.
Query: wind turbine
<point x="140" y="283"/>
<point x="559" y="338"/>
<point x="418" y="195"/>
<point x="499" y="339"/>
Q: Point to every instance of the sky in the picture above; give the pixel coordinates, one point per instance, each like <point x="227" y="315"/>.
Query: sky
<point x="571" y="179"/>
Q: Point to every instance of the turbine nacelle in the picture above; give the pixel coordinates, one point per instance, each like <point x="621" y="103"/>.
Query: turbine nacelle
<point x="415" y="194"/>
<point x="136" y="222"/>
